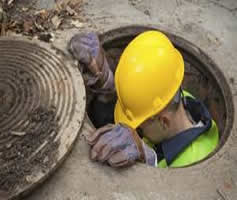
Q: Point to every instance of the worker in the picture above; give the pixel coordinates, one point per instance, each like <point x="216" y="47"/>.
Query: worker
<point x="156" y="121"/>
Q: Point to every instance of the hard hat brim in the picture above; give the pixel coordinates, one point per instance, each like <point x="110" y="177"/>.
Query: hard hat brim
<point x="120" y="117"/>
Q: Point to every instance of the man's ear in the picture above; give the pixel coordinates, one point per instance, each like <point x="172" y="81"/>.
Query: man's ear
<point x="164" y="119"/>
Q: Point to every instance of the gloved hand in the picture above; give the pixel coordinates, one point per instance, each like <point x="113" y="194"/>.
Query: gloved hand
<point x="120" y="146"/>
<point x="87" y="50"/>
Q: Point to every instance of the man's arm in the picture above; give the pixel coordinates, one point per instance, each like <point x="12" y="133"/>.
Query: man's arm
<point x="86" y="48"/>
<point x="117" y="145"/>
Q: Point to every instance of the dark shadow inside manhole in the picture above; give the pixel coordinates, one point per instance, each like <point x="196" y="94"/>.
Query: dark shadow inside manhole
<point x="203" y="79"/>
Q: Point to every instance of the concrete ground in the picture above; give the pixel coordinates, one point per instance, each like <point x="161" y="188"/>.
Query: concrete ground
<point x="212" y="26"/>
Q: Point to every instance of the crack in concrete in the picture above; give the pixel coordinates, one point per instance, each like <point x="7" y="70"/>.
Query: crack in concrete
<point x="223" y="6"/>
<point x="216" y="3"/>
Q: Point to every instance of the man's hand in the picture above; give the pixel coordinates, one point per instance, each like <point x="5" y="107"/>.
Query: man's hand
<point x="87" y="50"/>
<point x="120" y="146"/>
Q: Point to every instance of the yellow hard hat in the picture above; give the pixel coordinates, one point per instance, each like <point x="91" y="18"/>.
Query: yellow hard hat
<point x="148" y="75"/>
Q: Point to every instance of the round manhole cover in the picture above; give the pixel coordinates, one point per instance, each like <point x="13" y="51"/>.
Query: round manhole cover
<point x="42" y="98"/>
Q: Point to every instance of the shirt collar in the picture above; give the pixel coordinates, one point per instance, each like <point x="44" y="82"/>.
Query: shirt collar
<point x="173" y="146"/>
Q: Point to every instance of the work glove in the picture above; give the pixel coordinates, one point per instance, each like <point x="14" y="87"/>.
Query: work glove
<point x="120" y="146"/>
<point x="86" y="48"/>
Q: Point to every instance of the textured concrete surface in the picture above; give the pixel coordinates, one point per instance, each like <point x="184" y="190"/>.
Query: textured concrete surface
<point x="48" y="4"/>
<point x="212" y="26"/>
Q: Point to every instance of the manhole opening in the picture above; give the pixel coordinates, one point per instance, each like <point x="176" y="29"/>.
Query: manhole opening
<point x="202" y="78"/>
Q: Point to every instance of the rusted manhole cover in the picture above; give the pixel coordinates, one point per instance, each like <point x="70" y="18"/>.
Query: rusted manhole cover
<point x="42" y="105"/>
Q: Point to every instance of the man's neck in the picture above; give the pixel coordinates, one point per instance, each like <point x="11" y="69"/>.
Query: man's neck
<point x="181" y="122"/>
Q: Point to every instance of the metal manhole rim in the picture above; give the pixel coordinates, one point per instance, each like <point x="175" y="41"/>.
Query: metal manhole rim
<point x="210" y="64"/>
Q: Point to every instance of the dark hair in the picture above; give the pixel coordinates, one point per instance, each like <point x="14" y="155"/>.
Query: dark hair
<point x="175" y="102"/>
